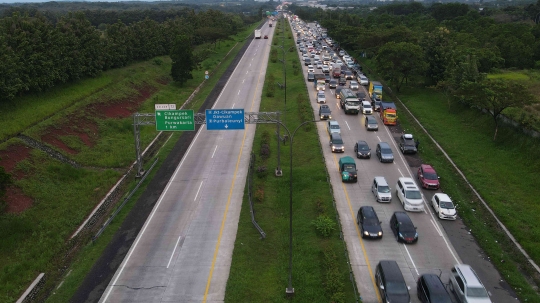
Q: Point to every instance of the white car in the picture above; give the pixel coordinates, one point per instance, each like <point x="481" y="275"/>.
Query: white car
<point x="363" y="80"/>
<point x="333" y="127"/>
<point x="409" y="195"/>
<point x="366" y="108"/>
<point x="443" y="206"/>
<point x="325" y="69"/>
<point x="353" y="85"/>
<point x="310" y="69"/>
<point x="321" y="97"/>
<point x="339" y="62"/>
<point x="319" y="66"/>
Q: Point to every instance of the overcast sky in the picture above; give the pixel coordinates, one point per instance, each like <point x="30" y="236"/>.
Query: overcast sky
<point x="34" y="1"/>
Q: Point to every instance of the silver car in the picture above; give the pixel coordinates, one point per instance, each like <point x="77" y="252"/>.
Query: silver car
<point x="321" y="98"/>
<point x="354" y="85"/>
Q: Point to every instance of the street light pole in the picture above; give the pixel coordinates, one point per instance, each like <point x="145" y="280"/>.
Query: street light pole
<point x="290" y="290"/>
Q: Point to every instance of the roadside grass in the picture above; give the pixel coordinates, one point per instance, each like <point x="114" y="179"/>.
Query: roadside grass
<point x="502" y="171"/>
<point x="63" y="196"/>
<point x="260" y="267"/>
<point x="510" y="75"/>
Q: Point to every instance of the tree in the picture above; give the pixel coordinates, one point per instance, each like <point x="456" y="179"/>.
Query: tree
<point x="496" y="95"/>
<point x="182" y="59"/>
<point x="5" y="181"/>
<point x="398" y="62"/>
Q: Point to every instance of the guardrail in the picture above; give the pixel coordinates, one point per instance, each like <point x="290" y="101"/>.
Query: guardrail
<point x="251" y="172"/>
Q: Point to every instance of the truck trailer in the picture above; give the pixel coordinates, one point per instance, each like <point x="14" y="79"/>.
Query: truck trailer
<point x="375" y="90"/>
<point x="257" y="34"/>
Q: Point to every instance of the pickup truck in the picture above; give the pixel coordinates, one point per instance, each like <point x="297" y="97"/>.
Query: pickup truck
<point x="347" y="168"/>
<point x="407" y="144"/>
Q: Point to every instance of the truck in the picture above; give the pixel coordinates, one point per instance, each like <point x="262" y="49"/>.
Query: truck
<point x="388" y="112"/>
<point x="349" y="101"/>
<point x="270" y="23"/>
<point x="375" y="90"/>
<point x="347" y="168"/>
<point x="320" y="82"/>
<point x="257" y="34"/>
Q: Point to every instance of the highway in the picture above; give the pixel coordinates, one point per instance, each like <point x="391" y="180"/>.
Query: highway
<point x="184" y="250"/>
<point x="434" y="252"/>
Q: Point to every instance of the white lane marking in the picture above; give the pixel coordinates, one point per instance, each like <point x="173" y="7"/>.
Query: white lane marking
<point x="436" y="227"/>
<point x="175" y="246"/>
<point x="250" y="64"/>
<point x="379" y="138"/>
<point x="247" y="72"/>
<point x="400" y="172"/>
<point x="243" y="80"/>
<point x="410" y="258"/>
<point x="348" y="125"/>
<point x="238" y="92"/>
<point x="233" y="105"/>
<point x="214" y="152"/>
<point x="198" y="190"/>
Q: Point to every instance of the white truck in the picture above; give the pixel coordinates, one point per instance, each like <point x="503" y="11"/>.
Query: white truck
<point x="257" y="34"/>
<point x="349" y="102"/>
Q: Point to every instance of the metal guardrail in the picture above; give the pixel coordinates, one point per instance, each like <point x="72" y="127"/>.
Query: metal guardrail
<point x="250" y="194"/>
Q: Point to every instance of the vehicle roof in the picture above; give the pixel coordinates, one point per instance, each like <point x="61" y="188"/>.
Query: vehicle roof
<point x="333" y="122"/>
<point x="434" y="283"/>
<point x="366" y="102"/>
<point x="371" y="119"/>
<point x="470" y="276"/>
<point x="391" y="271"/>
<point x="368" y="212"/>
<point x="427" y="168"/>
<point x="408" y="183"/>
<point x="335" y="136"/>
<point x="324" y="106"/>
<point x="443" y="197"/>
<point x="402" y="217"/>
<point x="383" y="144"/>
<point x="381" y="180"/>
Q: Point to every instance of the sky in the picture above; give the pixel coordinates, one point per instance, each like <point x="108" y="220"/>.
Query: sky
<point x="34" y="1"/>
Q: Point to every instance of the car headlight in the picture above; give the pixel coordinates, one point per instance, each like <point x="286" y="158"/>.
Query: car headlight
<point x="369" y="153"/>
<point x="322" y="116"/>
<point x="366" y="233"/>
<point x="380" y="233"/>
<point x="400" y="235"/>
<point x="329" y="117"/>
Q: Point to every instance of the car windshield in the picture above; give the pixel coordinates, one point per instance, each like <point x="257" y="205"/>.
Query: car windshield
<point x="476" y="292"/>
<point x="353" y="103"/>
<point x="372" y="121"/>
<point x="367" y="106"/>
<point x="390" y="115"/>
<point x="338" y="141"/>
<point x="447" y="204"/>
<point x="396" y="288"/>
<point x="430" y="176"/>
<point x="386" y="151"/>
<point x="413" y="194"/>
<point x="349" y="167"/>
<point x="334" y="126"/>
<point x="384" y="189"/>
<point x="363" y="147"/>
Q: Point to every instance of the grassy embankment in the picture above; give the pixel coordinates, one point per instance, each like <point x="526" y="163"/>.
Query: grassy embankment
<point x="502" y="171"/>
<point x="32" y="242"/>
<point x="259" y="270"/>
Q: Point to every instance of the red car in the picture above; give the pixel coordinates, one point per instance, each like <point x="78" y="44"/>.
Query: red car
<point x="428" y="177"/>
<point x="265" y="36"/>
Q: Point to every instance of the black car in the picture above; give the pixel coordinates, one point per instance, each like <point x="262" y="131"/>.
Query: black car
<point x="369" y="223"/>
<point x="327" y="78"/>
<point x="403" y="228"/>
<point x="362" y="150"/>
<point x="325" y="112"/>
<point x="342" y="81"/>
<point x="407" y="144"/>
<point x="430" y="289"/>
<point x="333" y="83"/>
<point x="391" y="283"/>
<point x="361" y="95"/>
<point x="376" y="105"/>
<point x="349" y="75"/>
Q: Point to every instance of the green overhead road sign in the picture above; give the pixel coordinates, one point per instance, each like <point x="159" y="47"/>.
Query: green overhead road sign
<point x="175" y="120"/>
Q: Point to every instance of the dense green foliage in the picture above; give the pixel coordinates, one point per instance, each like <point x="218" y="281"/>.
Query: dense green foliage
<point x="182" y="60"/>
<point x="37" y="54"/>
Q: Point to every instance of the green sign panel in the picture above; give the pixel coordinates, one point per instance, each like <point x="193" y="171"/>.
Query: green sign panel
<point x="175" y="120"/>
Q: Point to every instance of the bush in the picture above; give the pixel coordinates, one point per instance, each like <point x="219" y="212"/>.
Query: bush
<point x="265" y="137"/>
<point x="324" y="225"/>
<point x="262" y="171"/>
<point x="259" y="193"/>
<point x="333" y="284"/>
<point x="265" y="151"/>
<point x="158" y="61"/>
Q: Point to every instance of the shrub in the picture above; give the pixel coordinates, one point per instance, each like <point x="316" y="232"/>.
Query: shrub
<point x="333" y="284"/>
<point x="262" y="171"/>
<point x="259" y="193"/>
<point x="265" y="151"/>
<point x="265" y="137"/>
<point x="324" y="225"/>
<point x="320" y="207"/>
<point x="158" y="61"/>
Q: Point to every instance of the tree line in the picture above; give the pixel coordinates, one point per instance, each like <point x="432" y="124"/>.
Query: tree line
<point x="37" y="53"/>
<point x="449" y="46"/>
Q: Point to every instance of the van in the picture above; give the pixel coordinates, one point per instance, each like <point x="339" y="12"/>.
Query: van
<point x="466" y="285"/>
<point x="311" y="77"/>
<point x="409" y="194"/>
<point x="391" y="283"/>
<point x="336" y="143"/>
<point x="381" y="190"/>
<point x="430" y="289"/>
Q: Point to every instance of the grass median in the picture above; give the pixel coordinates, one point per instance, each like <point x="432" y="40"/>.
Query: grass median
<point x="260" y="267"/>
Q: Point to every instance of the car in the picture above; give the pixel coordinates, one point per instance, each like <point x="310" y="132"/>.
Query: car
<point x="324" y="112"/>
<point x="366" y="108"/>
<point x="407" y="144"/>
<point x="338" y="90"/>
<point x="376" y="105"/>
<point x="332" y="126"/>
<point x="341" y="53"/>
<point x="310" y="68"/>
<point x="307" y="61"/>
<point x="353" y="85"/>
<point x="362" y="150"/>
<point x="336" y="143"/>
<point x="327" y="78"/>
<point x="325" y="69"/>
<point x="368" y="222"/>
<point x="384" y="152"/>
<point x="466" y="285"/>
<point x="333" y="83"/>
<point x="311" y="77"/>
<point x="339" y="62"/>
<point x="321" y="97"/>
<point x="319" y="65"/>
<point x="361" y="95"/>
<point x="342" y="81"/>
<point x="430" y="289"/>
<point x="403" y="228"/>
<point x="409" y="195"/>
<point x="371" y="123"/>
<point x="390" y="282"/>
<point x="381" y="190"/>
<point x="427" y="176"/>
<point x="349" y="75"/>
<point x="265" y="36"/>
<point x="443" y="206"/>
<point x="363" y="80"/>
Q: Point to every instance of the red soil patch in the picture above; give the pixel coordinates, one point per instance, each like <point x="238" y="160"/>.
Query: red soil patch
<point x="83" y="128"/>
<point x="17" y="201"/>
<point x="13" y="155"/>
<point x="123" y="108"/>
